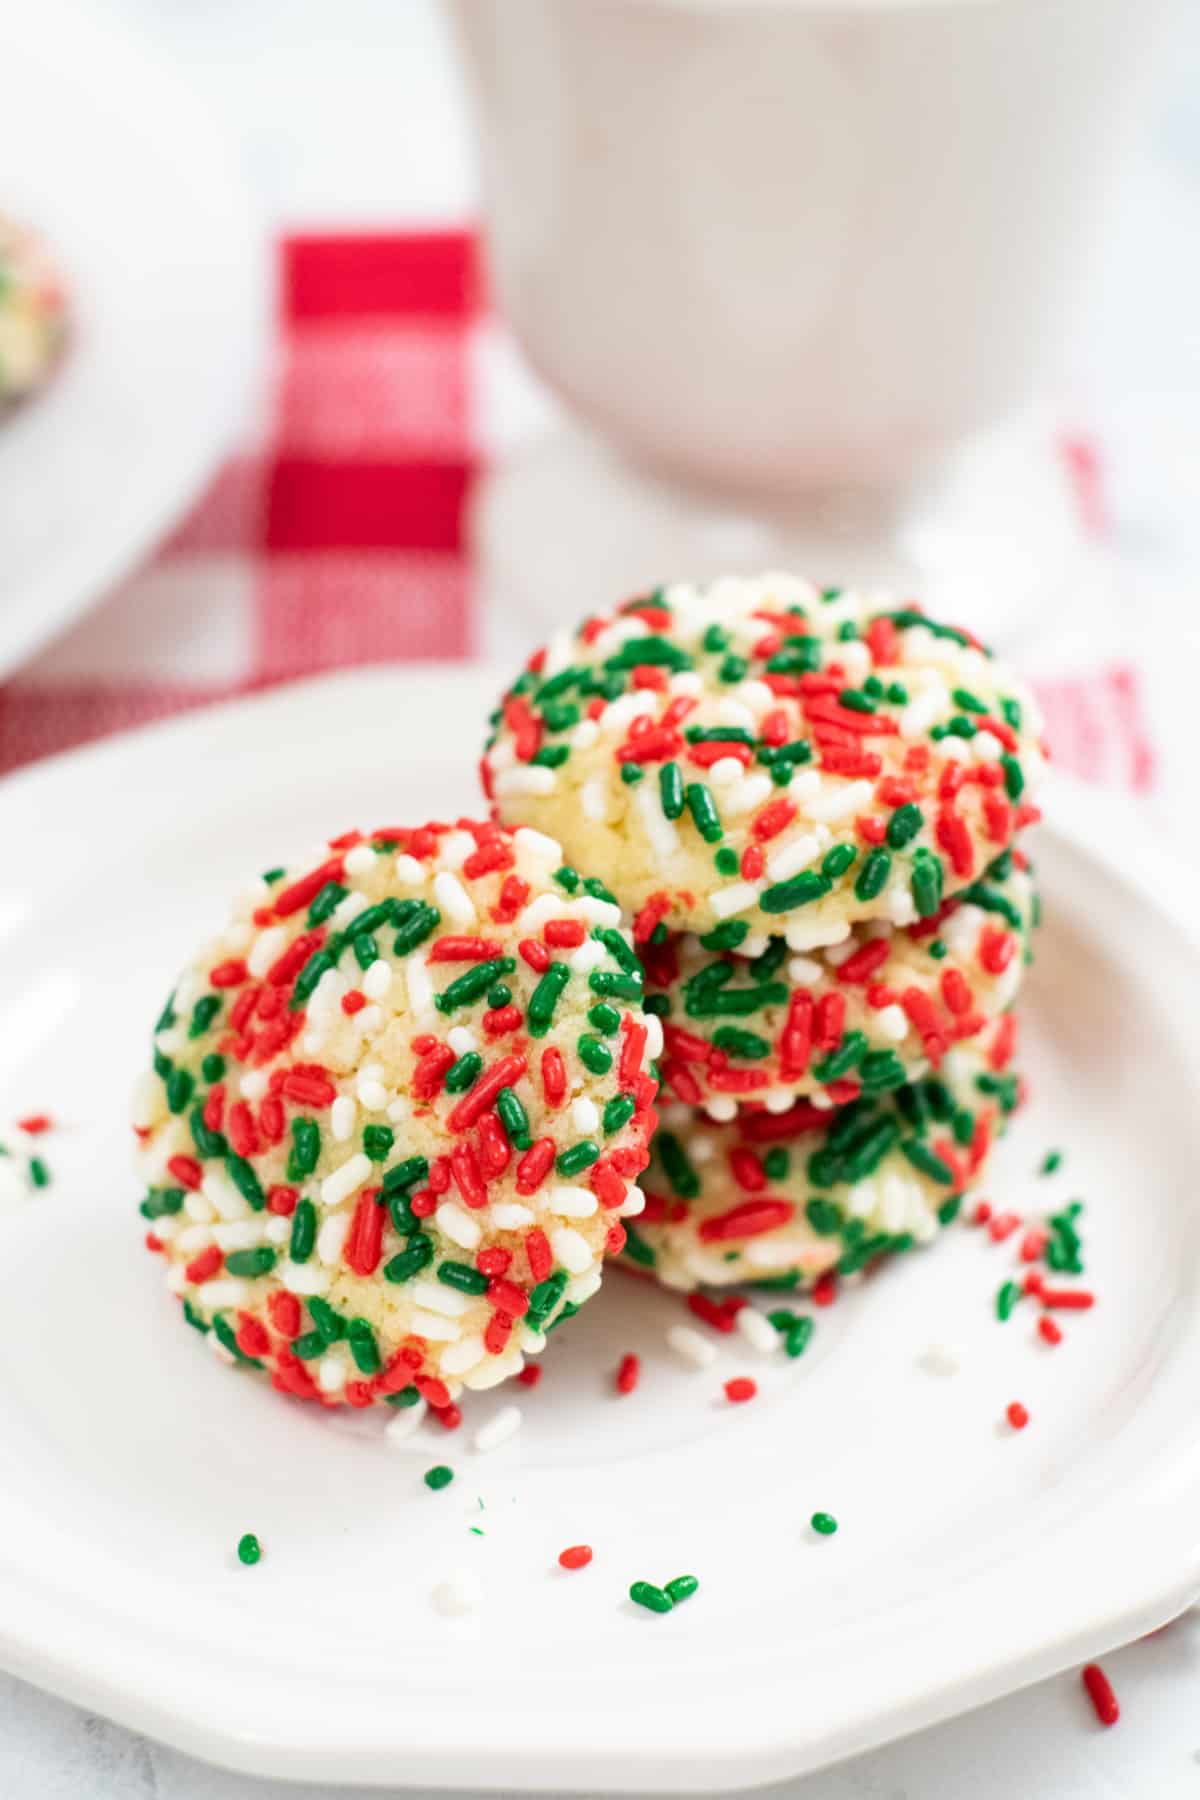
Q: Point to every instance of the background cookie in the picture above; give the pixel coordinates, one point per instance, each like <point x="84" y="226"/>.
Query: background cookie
<point x="784" y="1197"/>
<point x="396" y="1111"/>
<point x="765" y="751"/>
<point x="32" y="312"/>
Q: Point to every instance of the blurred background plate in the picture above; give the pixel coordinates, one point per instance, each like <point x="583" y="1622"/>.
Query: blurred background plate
<point x="142" y="205"/>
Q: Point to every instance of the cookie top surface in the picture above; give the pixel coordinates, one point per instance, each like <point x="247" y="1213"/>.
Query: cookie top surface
<point x="761" y="750"/>
<point x="784" y="1197"/>
<point x="762" y="1022"/>
<point x="396" y="1111"/>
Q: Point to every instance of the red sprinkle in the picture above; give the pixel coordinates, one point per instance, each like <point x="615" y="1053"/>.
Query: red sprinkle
<point x="35" y="1123"/>
<point x="825" y="1289"/>
<point x="1068" y="1299"/>
<point x="530" y="1375"/>
<point x="577" y="1556"/>
<point x="628" y="1370"/>
<point x="1099" y="1691"/>
<point x="1017" y="1415"/>
<point x="740" y="1389"/>
<point x="1050" y="1329"/>
<point x="554" y="1076"/>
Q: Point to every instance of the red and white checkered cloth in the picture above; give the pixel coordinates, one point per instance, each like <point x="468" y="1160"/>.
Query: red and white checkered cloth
<point x="338" y="538"/>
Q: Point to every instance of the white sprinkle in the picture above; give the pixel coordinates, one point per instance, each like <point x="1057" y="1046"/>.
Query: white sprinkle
<point x="591" y="799"/>
<point x="217" y="1188"/>
<point x="238" y="1234"/>
<point x="409" y="872"/>
<point x="589" y="956"/>
<point x="725" y="772"/>
<point x="433" y="1326"/>
<point x="378" y="979"/>
<point x="420" y="986"/>
<point x="398" y="1430"/>
<point x="493" y="1370"/>
<point x="582" y="1287"/>
<point x="331" y="1238"/>
<point x="735" y="899"/>
<point x="368" y="1021"/>
<point x="596" y="911"/>
<point x="341" y="1184"/>
<point x="721" y="1108"/>
<point x="360" y="860"/>
<point x="230" y="1291"/>
<point x="462" y="1040"/>
<point x="571" y="1249"/>
<point x="803" y="971"/>
<point x="197" y="1207"/>
<point x="456" y="1223"/>
<point x="778" y="1100"/>
<point x="497" y="1431"/>
<point x="349" y="906"/>
<point x="732" y="712"/>
<point x="253" y="1084"/>
<point x="148" y="1100"/>
<point x="572" y="1202"/>
<point x="277" y="1231"/>
<point x="460" y="1595"/>
<point x="757" y="1330"/>
<point x="453" y="898"/>
<point x="399" y="1109"/>
<point x="941" y="1359"/>
<point x="664" y="839"/>
<point x="330" y="1373"/>
<point x="927" y="709"/>
<point x="459" y="1357"/>
<point x="176" y="1278"/>
<point x="528" y="778"/>
<point x="508" y="1215"/>
<point x="454" y="849"/>
<point x="839" y="802"/>
<point x="690" y="1347"/>
<point x="745" y="795"/>
<point x="267" y="946"/>
<point x="303" y="1278"/>
<point x="372" y="1095"/>
<point x="892" y="1022"/>
<point x="791" y="858"/>
<point x="654" y="1036"/>
<point x="537" y="847"/>
<point x="342" y="1116"/>
<point x="633" y="1203"/>
<point x="584" y="736"/>
<point x="585" y="1115"/>
<point x="815" y="934"/>
<point x="436" y="1297"/>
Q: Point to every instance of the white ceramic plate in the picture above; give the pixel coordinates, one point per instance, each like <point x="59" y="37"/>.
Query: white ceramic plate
<point x="108" y="156"/>
<point x="969" y="1559"/>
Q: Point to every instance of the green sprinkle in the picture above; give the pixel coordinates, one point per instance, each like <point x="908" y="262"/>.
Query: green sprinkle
<point x="800" y="890"/>
<point x="824" y="1217"/>
<point x="252" y="1263"/>
<point x="1006" y="1299"/>
<point x="654" y="1599"/>
<point x="609" y="985"/>
<point x="872" y="877"/>
<point x="824" y="1524"/>
<point x="703" y="809"/>
<point x="776" y="1162"/>
<point x="245" y="1179"/>
<point x="904" y="825"/>
<point x="927" y="1162"/>
<point x="161" y="1203"/>
<point x="514" y="1118"/>
<point x="1011" y="710"/>
<point x="678" y="1169"/>
<point x="715" y="640"/>
<point x="545" y="998"/>
<point x="796" y="1339"/>
<point x="404" y="1399"/>
<point x="632" y="773"/>
<point x="249" y="1550"/>
<point x="949" y="1210"/>
<point x="550" y="756"/>
<point x="837" y="861"/>
<point x="465" y="989"/>
<point x="926" y="884"/>
<point x="464" y="1073"/>
<point x="363" y="1347"/>
<point x="637" y="1249"/>
<point x="406" y="1174"/>
<point x="213" y="1067"/>
<point x="733" y="668"/>
<point x="318" y="964"/>
<point x="304" y="1231"/>
<point x="660" y="1004"/>
<point x="966" y="701"/>
<point x="415" y="920"/>
<point x="167" y="1016"/>
<point x="306" y="1149"/>
<point x="897" y="693"/>
<point x="618" y="1112"/>
<point x="594" y="1054"/>
<point x="559" y="684"/>
<point x="410" y="1261"/>
<point x="203" y="1014"/>
<point x="462" y="1276"/>
<point x="800" y="656"/>
<point x="180" y="1083"/>
<point x="856" y="701"/>
<point x="545" y="1297"/>
<point x="726" y="860"/>
<point x="841" y="1061"/>
<point x="578" y="1158"/>
<point x="377" y="1142"/>
<point x="735" y="1042"/>
<point x="681" y="1588"/>
<point x="1014" y="777"/>
<point x="208" y="1143"/>
<point x="726" y="936"/>
<point x="938" y="949"/>
<point x="604" y="1017"/>
<point x="226" y="1335"/>
<point x="560" y="717"/>
<point x="39" y="1174"/>
<point x="194" y="1319"/>
<point x="880" y="1071"/>
<point x="329" y="1323"/>
<point x="439" y="1476"/>
<point x="567" y="878"/>
<point x="670" y="788"/>
<point x="310" y="1345"/>
<point x="1050" y="1162"/>
<point x="370" y="919"/>
<point x="326" y="902"/>
<point x="366" y="950"/>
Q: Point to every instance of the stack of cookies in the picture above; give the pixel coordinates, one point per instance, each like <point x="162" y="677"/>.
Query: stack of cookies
<point x="810" y="803"/>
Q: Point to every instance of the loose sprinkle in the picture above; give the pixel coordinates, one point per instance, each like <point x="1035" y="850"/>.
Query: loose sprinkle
<point x="439" y="1476"/>
<point x="1051" y="1162"/>
<point x="249" y="1550"/>
<point x="824" y="1524"/>
<point x="740" y="1388"/>
<point x="629" y="1370"/>
<point x="1099" y="1691"/>
<point x="654" y="1599"/>
<point x="1017" y="1415"/>
<point x="575" y="1556"/>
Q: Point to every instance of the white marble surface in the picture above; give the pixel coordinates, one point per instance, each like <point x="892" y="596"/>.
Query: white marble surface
<point x="352" y="114"/>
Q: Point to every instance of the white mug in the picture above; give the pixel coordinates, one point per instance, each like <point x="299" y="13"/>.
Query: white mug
<point x="788" y="246"/>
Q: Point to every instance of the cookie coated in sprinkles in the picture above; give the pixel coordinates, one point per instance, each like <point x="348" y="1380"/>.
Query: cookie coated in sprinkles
<point x="765" y="752"/>
<point x="396" y="1114"/>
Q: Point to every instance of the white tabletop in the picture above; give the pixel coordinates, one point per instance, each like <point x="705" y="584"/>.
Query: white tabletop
<point x="352" y="115"/>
